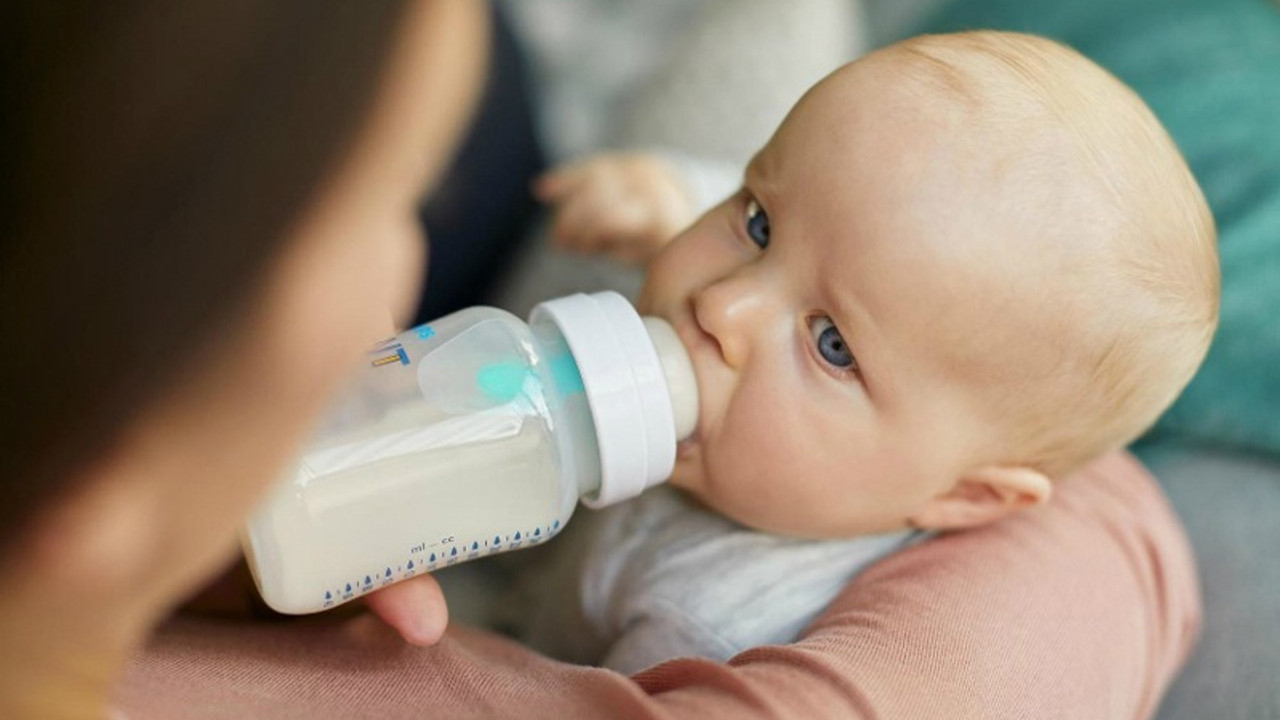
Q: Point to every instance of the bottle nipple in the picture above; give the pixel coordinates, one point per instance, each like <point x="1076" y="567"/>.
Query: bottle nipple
<point x="682" y="384"/>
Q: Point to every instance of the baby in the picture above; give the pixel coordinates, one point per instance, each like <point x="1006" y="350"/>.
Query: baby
<point x="963" y="267"/>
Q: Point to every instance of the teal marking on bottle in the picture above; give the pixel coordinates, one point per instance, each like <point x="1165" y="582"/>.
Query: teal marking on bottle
<point x="502" y="382"/>
<point x="424" y="332"/>
<point x="564" y="371"/>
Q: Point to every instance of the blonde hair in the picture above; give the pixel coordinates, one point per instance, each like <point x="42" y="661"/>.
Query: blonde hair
<point x="1150" y="296"/>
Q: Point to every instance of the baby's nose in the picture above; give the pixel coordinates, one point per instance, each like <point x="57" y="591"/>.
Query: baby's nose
<point x="728" y="311"/>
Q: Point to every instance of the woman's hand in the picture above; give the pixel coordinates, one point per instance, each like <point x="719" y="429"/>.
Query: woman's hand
<point x="625" y="205"/>
<point x="414" y="608"/>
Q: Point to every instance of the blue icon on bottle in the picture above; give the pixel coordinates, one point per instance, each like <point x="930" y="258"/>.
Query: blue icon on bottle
<point x="410" y="564"/>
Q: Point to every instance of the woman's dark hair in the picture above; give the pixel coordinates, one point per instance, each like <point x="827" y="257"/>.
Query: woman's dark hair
<point x="155" y="155"/>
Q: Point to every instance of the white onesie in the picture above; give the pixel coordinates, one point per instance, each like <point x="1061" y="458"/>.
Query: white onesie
<point x="659" y="577"/>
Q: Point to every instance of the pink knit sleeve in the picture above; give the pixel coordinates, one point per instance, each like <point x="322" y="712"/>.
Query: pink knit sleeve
<point x="1082" y="609"/>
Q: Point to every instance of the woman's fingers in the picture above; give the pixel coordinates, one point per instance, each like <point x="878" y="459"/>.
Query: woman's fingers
<point x="415" y="608"/>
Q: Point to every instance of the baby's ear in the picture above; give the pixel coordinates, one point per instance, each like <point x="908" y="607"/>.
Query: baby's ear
<point x="983" y="495"/>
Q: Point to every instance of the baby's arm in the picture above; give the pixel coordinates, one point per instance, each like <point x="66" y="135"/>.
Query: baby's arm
<point x="629" y="205"/>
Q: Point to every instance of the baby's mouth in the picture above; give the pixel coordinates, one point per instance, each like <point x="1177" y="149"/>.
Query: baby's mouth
<point x="687" y="446"/>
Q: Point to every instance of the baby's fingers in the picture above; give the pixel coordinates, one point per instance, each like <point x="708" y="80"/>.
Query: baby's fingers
<point x="584" y="219"/>
<point x="555" y="184"/>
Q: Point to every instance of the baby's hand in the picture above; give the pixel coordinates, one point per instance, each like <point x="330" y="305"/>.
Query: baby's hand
<point x="623" y="204"/>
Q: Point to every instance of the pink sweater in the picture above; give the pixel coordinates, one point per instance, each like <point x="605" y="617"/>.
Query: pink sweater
<point x="1082" y="609"/>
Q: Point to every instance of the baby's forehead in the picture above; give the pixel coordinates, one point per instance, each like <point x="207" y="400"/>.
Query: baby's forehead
<point x="986" y="69"/>
<point x="991" y="84"/>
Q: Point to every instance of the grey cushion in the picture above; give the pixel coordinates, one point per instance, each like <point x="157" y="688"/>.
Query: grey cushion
<point x="1231" y="506"/>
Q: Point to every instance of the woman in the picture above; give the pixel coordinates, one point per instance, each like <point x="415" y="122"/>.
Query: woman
<point x="211" y="211"/>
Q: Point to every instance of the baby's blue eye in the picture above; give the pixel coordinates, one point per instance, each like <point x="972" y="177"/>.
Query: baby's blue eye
<point x="831" y="346"/>
<point x="757" y="224"/>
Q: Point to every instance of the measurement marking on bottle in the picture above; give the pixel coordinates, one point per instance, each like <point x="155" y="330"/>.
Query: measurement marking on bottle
<point x="447" y="555"/>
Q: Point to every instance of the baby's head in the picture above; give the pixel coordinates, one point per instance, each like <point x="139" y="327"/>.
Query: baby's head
<point x="963" y="267"/>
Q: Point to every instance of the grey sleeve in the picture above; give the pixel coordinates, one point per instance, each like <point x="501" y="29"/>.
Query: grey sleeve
<point x="735" y="71"/>
<point x="547" y="608"/>
<point x="662" y="634"/>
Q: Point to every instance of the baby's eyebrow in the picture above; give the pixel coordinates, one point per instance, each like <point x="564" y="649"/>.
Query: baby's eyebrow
<point x="751" y="173"/>
<point x="763" y="186"/>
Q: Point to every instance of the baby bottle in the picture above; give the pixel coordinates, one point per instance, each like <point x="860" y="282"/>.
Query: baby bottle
<point x="469" y="436"/>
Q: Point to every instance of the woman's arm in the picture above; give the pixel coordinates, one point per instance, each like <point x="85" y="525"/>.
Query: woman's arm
<point x="1082" y="609"/>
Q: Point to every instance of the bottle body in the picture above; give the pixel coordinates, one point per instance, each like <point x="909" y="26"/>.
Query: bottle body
<point x="462" y="438"/>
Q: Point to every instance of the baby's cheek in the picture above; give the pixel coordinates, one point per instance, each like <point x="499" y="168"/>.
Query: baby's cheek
<point x="664" y="284"/>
